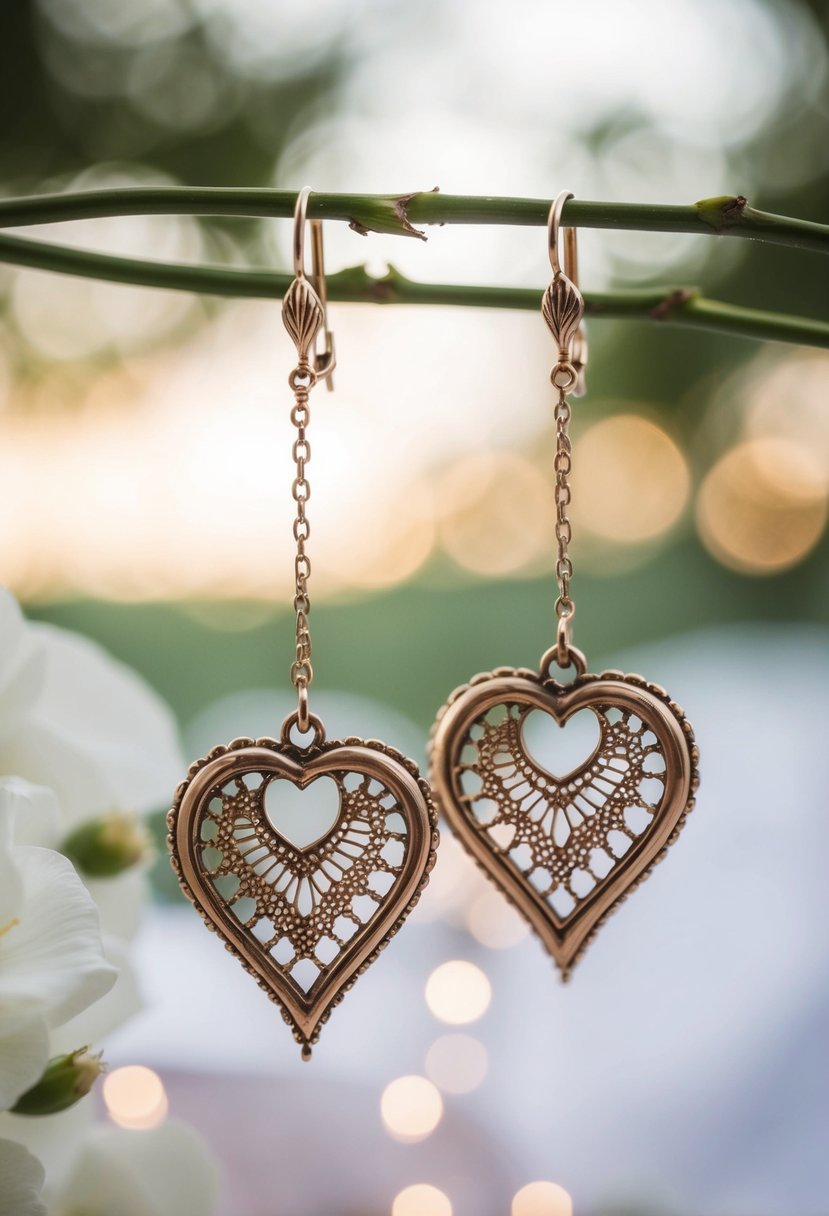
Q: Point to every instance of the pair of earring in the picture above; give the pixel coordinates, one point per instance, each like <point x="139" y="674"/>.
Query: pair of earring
<point x="307" y="917"/>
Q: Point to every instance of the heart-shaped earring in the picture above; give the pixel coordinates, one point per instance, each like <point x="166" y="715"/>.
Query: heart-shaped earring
<point x="565" y="848"/>
<point x="305" y="913"/>
<point x="304" y="919"/>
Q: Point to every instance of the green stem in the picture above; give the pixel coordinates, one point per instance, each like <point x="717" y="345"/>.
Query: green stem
<point x="729" y="215"/>
<point x="671" y="306"/>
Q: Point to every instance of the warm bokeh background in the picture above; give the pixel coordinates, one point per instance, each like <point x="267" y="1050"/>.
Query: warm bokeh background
<point x="145" y="472"/>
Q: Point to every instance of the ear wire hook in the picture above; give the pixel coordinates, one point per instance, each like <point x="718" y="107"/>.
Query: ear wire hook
<point x="325" y="360"/>
<point x="578" y="349"/>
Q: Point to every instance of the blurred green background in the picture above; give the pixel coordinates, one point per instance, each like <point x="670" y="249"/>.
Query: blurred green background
<point x="208" y="94"/>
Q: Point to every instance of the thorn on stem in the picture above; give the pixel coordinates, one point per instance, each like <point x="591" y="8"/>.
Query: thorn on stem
<point x="401" y="207"/>
<point x="734" y="208"/>
<point x="666" y="307"/>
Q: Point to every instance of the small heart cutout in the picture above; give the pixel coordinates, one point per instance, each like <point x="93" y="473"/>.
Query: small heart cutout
<point x="562" y="748"/>
<point x="302" y="815"/>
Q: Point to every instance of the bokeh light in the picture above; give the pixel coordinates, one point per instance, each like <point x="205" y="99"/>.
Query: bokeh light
<point x="134" y="1097"/>
<point x="105" y="21"/>
<point x="381" y="552"/>
<point x="542" y="1199"/>
<point x="457" y="1063"/>
<point x="763" y="506"/>
<point x="786" y="399"/>
<point x="497" y="513"/>
<point x="421" y="1200"/>
<point x="495" y="923"/>
<point x="632" y="481"/>
<point x="458" y="992"/>
<point x="453" y="885"/>
<point x="411" y="1108"/>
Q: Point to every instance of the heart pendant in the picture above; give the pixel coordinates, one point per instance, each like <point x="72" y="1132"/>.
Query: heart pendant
<point x="566" y="848"/>
<point x="304" y="918"/>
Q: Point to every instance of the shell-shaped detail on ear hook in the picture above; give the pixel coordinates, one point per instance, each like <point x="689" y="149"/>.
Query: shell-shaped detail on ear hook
<point x="562" y="306"/>
<point x="302" y="314"/>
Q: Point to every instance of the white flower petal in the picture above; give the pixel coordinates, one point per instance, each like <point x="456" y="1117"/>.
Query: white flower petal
<point x="165" y="1172"/>
<point x="49" y="754"/>
<point x="120" y="901"/>
<point x="34" y="810"/>
<point x="113" y="714"/>
<point x="54" y="1139"/>
<point x="96" y="1023"/>
<point x="11" y="880"/>
<point x="24" y="1053"/>
<point x="53" y="959"/>
<point x="21" y="1179"/>
<point x="22" y="665"/>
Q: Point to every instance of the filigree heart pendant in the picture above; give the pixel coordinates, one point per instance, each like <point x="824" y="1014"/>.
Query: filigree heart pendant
<point x="307" y="907"/>
<point x="565" y="847"/>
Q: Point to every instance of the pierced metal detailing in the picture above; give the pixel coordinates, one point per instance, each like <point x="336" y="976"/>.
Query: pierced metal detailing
<point x="305" y="919"/>
<point x="565" y="848"/>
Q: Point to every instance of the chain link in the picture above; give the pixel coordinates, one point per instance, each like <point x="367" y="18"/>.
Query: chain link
<point x="301" y="380"/>
<point x="562" y="307"/>
<point x="564" y="378"/>
<point x="565" y="608"/>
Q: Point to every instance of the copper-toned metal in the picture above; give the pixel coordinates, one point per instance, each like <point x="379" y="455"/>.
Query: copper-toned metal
<point x="302" y="316"/>
<point x="565" y="848"/>
<point x="324" y="360"/>
<point x="563" y="308"/>
<point x="304" y="921"/>
<point x="304" y="313"/>
<point x="562" y="303"/>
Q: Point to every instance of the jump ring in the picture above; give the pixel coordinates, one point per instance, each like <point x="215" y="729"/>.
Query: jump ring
<point x="314" y="724"/>
<point x="575" y="659"/>
<point x="564" y="376"/>
<point x="302" y="378"/>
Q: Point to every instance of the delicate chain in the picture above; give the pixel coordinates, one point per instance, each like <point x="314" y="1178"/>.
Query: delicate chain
<point x="565" y="607"/>
<point x="304" y="314"/>
<point x="562" y="307"/>
<point x="301" y="380"/>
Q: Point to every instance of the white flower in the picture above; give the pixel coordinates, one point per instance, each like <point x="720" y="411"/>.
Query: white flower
<point x="21" y="1179"/>
<point x="51" y="958"/>
<point x="74" y="719"/>
<point x="55" y="1140"/>
<point x="85" y="737"/>
<point x="34" y="810"/>
<point x="164" y="1172"/>
<point x="21" y="666"/>
<point x="123" y="1001"/>
<point x="92" y="737"/>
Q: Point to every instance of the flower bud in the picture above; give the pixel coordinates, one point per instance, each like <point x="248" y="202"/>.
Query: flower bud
<point x="65" y="1081"/>
<point x="107" y="846"/>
